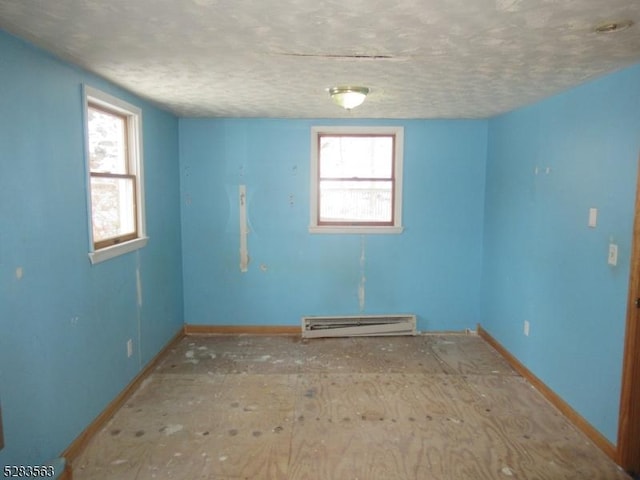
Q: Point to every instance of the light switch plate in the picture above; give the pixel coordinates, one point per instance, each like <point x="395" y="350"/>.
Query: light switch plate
<point x="593" y="217"/>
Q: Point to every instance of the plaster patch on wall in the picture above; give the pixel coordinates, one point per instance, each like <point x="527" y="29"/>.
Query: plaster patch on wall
<point x="19" y="273"/>
<point x="244" y="253"/>
<point x="362" y="293"/>
<point x="139" y="309"/>
<point x="139" y="286"/>
<point x="363" y="278"/>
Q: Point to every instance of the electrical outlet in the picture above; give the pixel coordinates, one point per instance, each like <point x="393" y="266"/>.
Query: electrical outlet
<point x="129" y="348"/>
<point x="526" y="328"/>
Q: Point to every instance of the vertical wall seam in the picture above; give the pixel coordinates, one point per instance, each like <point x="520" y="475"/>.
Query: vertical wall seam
<point x="363" y="278"/>
<point x="139" y="309"/>
<point x="244" y="254"/>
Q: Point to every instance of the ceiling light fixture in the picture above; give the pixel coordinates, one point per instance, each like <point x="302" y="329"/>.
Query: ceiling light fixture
<point x="348" y="97"/>
<point x="610" y="27"/>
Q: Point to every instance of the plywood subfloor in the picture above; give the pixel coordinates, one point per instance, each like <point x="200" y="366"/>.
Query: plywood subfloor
<point x="425" y="407"/>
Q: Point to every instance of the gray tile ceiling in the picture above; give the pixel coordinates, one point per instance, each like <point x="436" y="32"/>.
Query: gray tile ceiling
<point x="276" y="58"/>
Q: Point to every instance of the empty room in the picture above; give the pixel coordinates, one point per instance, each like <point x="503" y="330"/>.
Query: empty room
<point x="319" y="240"/>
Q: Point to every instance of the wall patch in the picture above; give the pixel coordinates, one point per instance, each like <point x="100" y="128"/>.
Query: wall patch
<point x="244" y="253"/>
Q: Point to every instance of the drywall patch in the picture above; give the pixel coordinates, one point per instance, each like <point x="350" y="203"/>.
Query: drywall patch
<point x="244" y="253"/>
<point x="19" y="273"/>
<point x="139" y="309"/>
<point x="139" y="286"/>
<point x="363" y="278"/>
<point x="362" y="293"/>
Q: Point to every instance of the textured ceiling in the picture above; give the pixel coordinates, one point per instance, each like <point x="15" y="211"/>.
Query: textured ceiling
<point x="276" y="58"/>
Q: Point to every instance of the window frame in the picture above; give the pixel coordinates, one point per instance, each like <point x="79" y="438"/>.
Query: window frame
<point x="393" y="227"/>
<point x="105" y="249"/>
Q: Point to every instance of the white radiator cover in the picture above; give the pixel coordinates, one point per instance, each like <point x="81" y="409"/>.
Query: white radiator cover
<point x="359" y="326"/>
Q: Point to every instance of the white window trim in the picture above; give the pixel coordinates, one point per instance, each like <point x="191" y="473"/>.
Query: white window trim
<point x="357" y="229"/>
<point x="134" y="113"/>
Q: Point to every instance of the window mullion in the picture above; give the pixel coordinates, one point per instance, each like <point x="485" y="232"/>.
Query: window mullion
<point x="113" y="175"/>
<point x="356" y="179"/>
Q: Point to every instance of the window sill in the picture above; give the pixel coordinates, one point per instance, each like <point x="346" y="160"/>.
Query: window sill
<point x="355" y="230"/>
<point x="117" y="250"/>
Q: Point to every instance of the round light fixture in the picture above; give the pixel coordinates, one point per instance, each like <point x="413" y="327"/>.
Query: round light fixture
<point x="348" y="97"/>
<point x="610" y="27"/>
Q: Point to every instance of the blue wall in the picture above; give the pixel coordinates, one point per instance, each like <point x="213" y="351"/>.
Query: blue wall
<point x="542" y="263"/>
<point x="432" y="269"/>
<point x="516" y="248"/>
<point x="64" y="323"/>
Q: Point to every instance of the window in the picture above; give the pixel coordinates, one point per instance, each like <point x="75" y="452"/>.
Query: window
<point x="356" y="179"/>
<point x="114" y="165"/>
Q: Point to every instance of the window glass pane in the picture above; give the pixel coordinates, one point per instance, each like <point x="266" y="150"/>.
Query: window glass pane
<point x="107" y="142"/>
<point x="356" y="156"/>
<point x="364" y="201"/>
<point x="113" y="207"/>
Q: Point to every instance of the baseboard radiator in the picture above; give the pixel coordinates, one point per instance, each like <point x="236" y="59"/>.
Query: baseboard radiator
<point x="359" y="326"/>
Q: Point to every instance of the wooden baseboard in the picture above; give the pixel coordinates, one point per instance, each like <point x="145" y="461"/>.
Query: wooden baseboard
<point x="242" y="330"/>
<point x="81" y="441"/>
<point x="281" y="330"/>
<point x="574" y="417"/>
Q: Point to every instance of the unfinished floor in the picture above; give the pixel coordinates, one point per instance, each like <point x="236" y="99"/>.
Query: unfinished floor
<point x="257" y="407"/>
